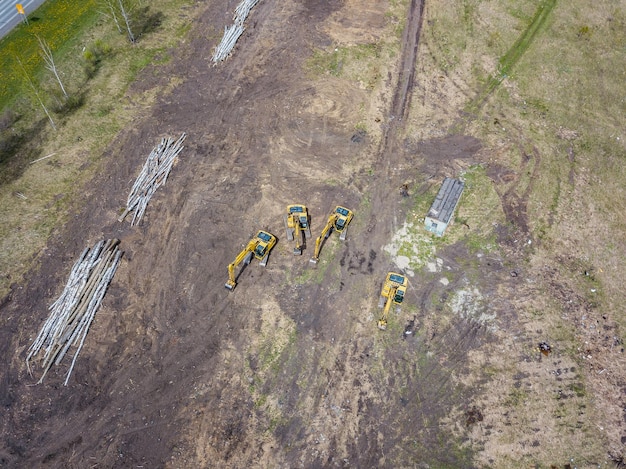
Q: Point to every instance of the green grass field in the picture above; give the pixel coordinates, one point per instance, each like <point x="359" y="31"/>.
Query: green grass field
<point x="35" y="197"/>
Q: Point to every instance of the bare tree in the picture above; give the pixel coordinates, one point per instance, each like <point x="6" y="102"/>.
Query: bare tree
<point x="111" y="6"/>
<point x="126" y="15"/>
<point x="30" y="82"/>
<point x="46" y="54"/>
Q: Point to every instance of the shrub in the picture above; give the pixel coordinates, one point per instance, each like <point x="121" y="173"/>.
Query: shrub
<point x="70" y="104"/>
<point x="93" y="55"/>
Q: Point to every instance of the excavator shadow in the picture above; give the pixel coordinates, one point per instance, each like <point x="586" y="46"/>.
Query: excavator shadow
<point x="244" y="265"/>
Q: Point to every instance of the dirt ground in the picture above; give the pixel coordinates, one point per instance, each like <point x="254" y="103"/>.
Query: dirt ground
<point x="288" y="370"/>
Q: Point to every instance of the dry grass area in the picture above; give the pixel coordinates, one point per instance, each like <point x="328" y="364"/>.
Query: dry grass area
<point x="553" y="144"/>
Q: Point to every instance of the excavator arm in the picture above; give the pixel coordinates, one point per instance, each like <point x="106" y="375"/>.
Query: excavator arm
<point x="325" y="233"/>
<point x="244" y="256"/>
<point x="382" y="322"/>
<point x="297" y="233"/>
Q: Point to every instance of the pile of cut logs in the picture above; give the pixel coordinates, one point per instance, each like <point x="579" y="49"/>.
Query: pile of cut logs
<point x="72" y="313"/>
<point x="232" y="33"/>
<point x="153" y="175"/>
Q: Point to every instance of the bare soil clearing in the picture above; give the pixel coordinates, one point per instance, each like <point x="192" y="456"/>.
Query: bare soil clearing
<point x="289" y="370"/>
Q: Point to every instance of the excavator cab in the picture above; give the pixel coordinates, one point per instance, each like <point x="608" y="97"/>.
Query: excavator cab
<point x="399" y="280"/>
<point x="265" y="243"/>
<point x="259" y="246"/>
<point x="301" y="213"/>
<point x="393" y="291"/>
<point x="259" y="252"/>
<point x="342" y="219"/>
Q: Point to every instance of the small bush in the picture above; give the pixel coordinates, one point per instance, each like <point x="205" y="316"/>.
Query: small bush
<point x="92" y="57"/>
<point x="69" y="104"/>
<point x="584" y="32"/>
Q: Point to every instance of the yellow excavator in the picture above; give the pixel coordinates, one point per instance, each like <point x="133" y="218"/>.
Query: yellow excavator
<point x="259" y="247"/>
<point x="338" y="220"/>
<point x="297" y="222"/>
<point x="393" y="291"/>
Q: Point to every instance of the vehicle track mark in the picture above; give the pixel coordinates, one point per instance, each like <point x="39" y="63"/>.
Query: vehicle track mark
<point x="389" y="152"/>
<point x="510" y="59"/>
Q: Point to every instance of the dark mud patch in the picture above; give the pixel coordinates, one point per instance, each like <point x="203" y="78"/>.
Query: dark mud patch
<point x="445" y="156"/>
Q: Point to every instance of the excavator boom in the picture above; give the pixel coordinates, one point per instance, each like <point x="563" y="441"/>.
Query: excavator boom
<point x="298" y="235"/>
<point x="325" y="234"/>
<point x="382" y="322"/>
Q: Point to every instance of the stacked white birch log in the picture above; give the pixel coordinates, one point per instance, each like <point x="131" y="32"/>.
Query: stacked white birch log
<point x="233" y="32"/>
<point x="153" y="175"/>
<point x="72" y="313"/>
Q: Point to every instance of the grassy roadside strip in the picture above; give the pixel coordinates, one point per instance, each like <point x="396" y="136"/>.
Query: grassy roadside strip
<point x="60" y="23"/>
<point x="40" y="195"/>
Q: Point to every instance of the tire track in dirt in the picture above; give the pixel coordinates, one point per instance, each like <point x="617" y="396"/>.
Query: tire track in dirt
<point x="426" y="369"/>
<point x="514" y="197"/>
<point x="366" y="441"/>
<point x="389" y="153"/>
<point x="408" y="62"/>
<point x="381" y="440"/>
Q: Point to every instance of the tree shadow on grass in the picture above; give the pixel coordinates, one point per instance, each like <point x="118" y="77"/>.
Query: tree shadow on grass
<point x="17" y="147"/>
<point x="146" y="22"/>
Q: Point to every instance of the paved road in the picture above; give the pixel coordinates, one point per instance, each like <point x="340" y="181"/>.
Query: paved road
<point x="9" y="17"/>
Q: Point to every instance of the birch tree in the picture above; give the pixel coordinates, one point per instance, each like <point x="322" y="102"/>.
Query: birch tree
<point x="30" y="82"/>
<point x="126" y="15"/>
<point x="110" y="4"/>
<point x="46" y="54"/>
